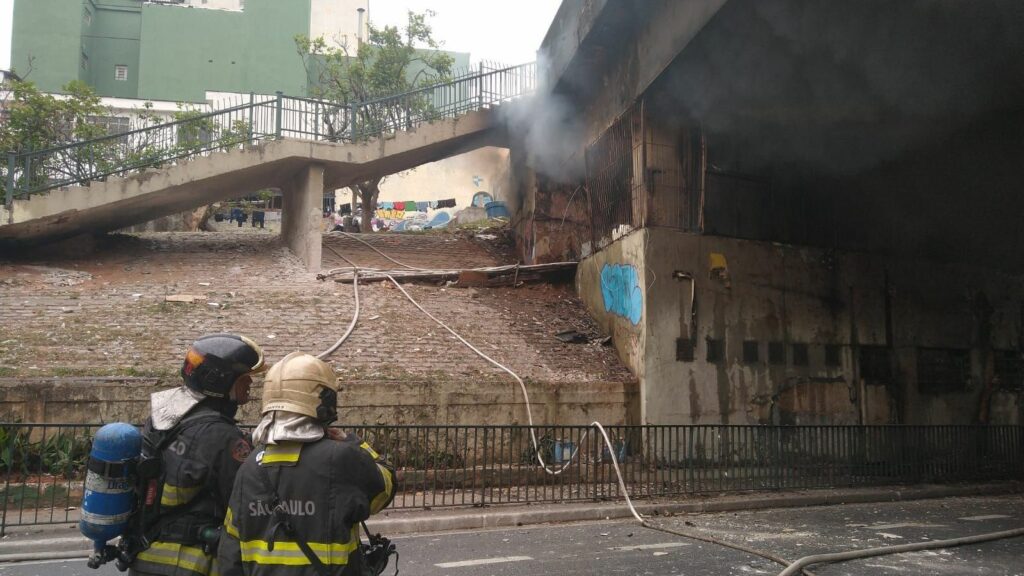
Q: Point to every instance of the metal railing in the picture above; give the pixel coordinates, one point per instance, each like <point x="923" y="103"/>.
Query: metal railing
<point x="197" y="134"/>
<point x="43" y="464"/>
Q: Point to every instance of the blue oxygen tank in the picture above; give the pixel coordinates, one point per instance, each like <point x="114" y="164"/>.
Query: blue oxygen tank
<point x="110" y="484"/>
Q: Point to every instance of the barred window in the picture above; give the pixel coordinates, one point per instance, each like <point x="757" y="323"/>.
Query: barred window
<point x="943" y="369"/>
<point x="112" y="124"/>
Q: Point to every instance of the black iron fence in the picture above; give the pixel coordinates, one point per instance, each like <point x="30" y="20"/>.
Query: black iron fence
<point x="27" y="172"/>
<point x="43" y="464"/>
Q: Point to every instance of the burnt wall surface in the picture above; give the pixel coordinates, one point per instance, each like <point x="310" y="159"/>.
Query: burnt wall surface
<point x="790" y="335"/>
<point x="892" y="128"/>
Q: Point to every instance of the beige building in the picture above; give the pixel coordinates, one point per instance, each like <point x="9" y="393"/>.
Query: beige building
<point x="460" y="178"/>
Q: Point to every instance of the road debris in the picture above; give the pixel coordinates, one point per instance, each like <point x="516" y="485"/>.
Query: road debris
<point x="185" y="298"/>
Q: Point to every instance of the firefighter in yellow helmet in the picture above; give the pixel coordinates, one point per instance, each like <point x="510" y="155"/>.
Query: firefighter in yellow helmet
<point x="299" y="499"/>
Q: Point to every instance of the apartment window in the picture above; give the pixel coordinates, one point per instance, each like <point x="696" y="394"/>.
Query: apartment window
<point x="751" y="353"/>
<point x="800" y="354"/>
<point x="121" y="73"/>
<point x="833" y="355"/>
<point x="776" y="353"/>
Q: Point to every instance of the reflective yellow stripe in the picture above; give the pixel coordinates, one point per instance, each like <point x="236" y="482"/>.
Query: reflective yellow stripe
<point x="289" y="553"/>
<point x="281" y="453"/>
<point x="172" y="554"/>
<point x="229" y="523"/>
<point x="381" y="499"/>
<point x="367" y="447"/>
<point x="177" y="495"/>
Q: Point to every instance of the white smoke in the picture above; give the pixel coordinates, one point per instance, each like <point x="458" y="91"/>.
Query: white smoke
<point x="551" y="130"/>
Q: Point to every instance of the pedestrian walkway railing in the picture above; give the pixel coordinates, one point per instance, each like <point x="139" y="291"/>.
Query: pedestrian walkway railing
<point x="197" y="134"/>
<point x="43" y="465"/>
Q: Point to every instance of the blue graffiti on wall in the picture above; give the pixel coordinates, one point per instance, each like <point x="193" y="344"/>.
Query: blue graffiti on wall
<point x="620" y="287"/>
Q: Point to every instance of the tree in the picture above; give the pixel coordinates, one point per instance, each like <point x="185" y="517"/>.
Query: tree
<point x="33" y="120"/>
<point x="390" y="61"/>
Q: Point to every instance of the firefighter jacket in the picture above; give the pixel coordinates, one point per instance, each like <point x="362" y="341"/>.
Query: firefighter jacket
<point x="327" y="487"/>
<point x="197" y="470"/>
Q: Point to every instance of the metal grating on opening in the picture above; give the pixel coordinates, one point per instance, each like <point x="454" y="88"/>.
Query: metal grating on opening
<point x="614" y="169"/>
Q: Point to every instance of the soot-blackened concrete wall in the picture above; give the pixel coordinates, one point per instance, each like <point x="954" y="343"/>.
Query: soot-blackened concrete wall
<point x="853" y="331"/>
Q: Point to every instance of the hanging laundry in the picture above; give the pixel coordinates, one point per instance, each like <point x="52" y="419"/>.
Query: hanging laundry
<point x="387" y="206"/>
<point x="432" y="204"/>
<point x="450" y="203"/>
<point x="400" y="206"/>
<point x="422" y="206"/>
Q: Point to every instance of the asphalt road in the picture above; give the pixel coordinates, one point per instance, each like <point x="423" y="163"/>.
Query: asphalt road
<point x="625" y="548"/>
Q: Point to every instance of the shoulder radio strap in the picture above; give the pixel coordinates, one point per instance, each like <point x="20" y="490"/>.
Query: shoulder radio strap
<point x="282" y="521"/>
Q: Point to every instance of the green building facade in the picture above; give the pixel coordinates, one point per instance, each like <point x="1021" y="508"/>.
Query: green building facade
<point x="132" y="49"/>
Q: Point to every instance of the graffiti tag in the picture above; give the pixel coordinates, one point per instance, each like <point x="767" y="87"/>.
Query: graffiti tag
<point x="620" y="288"/>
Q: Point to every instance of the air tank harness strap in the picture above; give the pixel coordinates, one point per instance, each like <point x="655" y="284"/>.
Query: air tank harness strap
<point x="282" y="522"/>
<point x="111" y="469"/>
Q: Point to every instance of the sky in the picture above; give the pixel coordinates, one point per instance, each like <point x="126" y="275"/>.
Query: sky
<point x="508" y="32"/>
<point x="6" y="17"/>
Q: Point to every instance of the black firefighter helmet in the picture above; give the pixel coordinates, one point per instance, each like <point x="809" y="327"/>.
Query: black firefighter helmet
<point x="215" y="362"/>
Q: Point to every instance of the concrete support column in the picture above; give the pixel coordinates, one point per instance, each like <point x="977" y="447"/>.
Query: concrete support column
<point x="302" y="215"/>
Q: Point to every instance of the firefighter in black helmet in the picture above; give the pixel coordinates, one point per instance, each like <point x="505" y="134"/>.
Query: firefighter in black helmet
<point x="301" y="496"/>
<point x="191" y="451"/>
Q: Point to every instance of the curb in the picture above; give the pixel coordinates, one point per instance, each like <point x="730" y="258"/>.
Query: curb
<point x="30" y="548"/>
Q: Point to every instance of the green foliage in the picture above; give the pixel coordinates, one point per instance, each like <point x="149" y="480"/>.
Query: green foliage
<point x="390" y="61"/>
<point x="64" y="455"/>
<point x="38" y="121"/>
<point x="59" y="455"/>
<point x="13" y="450"/>
<point x="72" y="131"/>
<point x="35" y="121"/>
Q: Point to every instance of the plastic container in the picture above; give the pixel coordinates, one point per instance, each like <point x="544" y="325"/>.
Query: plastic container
<point x="496" y="209"/>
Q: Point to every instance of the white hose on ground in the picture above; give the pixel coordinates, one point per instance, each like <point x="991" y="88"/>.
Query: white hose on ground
<point x="374" y="248"/>
<point x="798" y="565"/>
<point x="522" y="386"/>
<point x="351" y="325"/>
<point x="38" y="556"/>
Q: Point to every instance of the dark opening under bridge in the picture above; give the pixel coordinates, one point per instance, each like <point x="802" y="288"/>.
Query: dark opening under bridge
<point x="298" y="145"/>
